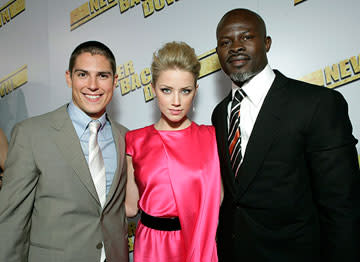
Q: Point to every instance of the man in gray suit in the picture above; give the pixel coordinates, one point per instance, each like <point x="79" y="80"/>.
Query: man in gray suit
<point x="50" y="209"/>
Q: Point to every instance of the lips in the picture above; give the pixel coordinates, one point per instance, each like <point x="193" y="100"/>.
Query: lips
<point x="175" y="111"/>
<point x="238" y="60"/>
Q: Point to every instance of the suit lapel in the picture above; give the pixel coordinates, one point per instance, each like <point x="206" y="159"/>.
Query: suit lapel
<point x="263" y="133"/>
<point x="69" y="145"/>
<point x="120" y="151"/>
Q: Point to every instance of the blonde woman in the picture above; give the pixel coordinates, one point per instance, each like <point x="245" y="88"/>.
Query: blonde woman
<point x="173" y="168"/>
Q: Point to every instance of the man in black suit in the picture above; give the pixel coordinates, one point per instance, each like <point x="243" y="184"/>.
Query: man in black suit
<point x="293" y="194"/>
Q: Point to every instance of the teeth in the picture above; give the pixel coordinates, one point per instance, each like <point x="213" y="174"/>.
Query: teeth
<point x="92" y="97"/>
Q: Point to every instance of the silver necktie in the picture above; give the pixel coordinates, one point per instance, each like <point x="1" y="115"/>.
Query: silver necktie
<point x="96" y="162"/>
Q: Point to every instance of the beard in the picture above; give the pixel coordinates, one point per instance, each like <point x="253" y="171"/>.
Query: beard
<point x="241" y="77"/>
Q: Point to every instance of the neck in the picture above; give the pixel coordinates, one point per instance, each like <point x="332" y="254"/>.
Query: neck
<point x="164" y="124"/>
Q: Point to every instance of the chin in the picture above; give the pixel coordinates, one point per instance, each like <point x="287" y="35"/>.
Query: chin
<point x="176" y="120"/>
<point x="241" y="76"/>
<point x="93" y="112"/>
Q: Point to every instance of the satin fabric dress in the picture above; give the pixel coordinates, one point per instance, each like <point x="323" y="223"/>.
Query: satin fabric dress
<point x="178" y="175"/>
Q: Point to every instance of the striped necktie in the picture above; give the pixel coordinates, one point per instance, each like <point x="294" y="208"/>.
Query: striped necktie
<point x="234" y="138"/>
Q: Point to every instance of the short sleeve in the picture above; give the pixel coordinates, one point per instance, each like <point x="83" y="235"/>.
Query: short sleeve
<point x="209" y="129"/>
<point x="212" y="130"/>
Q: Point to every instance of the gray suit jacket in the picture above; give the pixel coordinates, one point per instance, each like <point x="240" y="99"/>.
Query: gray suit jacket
<point x="49" y="208"/>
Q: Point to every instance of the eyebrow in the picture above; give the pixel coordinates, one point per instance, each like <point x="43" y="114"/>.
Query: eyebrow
<point x="245" y="31"/>
<point x="166" y="86"/>
<point x="86" y="71"/>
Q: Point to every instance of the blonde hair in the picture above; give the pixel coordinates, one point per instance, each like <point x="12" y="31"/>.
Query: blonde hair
<point x="175" y="55"/>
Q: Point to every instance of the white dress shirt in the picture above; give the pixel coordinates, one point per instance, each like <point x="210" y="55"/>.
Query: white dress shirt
<point x="256" y="89"/>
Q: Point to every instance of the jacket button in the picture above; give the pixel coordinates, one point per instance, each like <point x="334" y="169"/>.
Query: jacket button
<point x="99" y="245"/>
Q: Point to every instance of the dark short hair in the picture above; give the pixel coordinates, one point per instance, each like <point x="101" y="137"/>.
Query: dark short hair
<point x="236" y="11"/>
<point x="94" y="48"/>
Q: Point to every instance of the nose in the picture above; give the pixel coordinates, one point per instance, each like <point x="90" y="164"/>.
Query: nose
<point x="237" y="46"/>
<point x="176" y="101"/>
<point x="92" y="83"/>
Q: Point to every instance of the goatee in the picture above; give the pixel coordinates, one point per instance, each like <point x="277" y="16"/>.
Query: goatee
<point x="241" y="77"/>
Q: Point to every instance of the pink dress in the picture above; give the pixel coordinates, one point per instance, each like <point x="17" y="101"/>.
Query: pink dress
<point x="178" y="175"/>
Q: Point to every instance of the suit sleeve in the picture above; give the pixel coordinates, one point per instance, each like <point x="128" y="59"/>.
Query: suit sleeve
<point x="17" y="197"/>
<point x="333" y="162"/>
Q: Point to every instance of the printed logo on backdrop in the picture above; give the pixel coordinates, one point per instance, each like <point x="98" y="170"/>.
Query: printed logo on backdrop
<point x="148" y="6"/>
<point x="129" y="80"/>
<point x="13" y="81"/>
<point x="10" y="10"/>
<point x="336" y="75"/>
<point x="93" y="8"/>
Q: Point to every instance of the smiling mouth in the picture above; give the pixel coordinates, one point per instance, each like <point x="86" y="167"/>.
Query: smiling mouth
<point x="92" y="97"/>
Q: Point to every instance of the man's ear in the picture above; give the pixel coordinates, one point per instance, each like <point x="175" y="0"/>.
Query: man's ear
<point x="115" y="80"/>
<point x="68" y="78"/>
<point x="268" y="42"/>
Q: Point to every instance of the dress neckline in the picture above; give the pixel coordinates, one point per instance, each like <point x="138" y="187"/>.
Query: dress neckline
<point x="173" y="131"/>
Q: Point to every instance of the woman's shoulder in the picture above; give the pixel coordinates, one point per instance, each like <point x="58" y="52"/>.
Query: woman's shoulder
<point x="139" y="132"/>
<point x="205" y="128"/>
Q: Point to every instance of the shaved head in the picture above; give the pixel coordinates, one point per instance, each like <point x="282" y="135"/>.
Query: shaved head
<point x="242" y="44"/>
<point x="241" y="12"/>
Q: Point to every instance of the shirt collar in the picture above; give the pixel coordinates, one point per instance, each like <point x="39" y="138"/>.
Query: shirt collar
<point x="81" y="120"/>
<point x="258" y="86"/>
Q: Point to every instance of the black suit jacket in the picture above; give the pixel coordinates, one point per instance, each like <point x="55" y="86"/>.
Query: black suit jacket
<point x="296" y="196"/>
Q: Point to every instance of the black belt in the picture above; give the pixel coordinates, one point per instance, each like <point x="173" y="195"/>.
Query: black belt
<point x="160" y="223"/>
